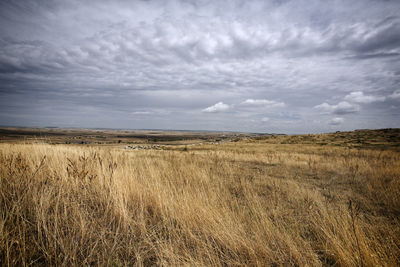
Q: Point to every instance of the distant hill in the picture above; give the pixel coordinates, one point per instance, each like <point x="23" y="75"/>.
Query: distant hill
<point x="365" y="138"/>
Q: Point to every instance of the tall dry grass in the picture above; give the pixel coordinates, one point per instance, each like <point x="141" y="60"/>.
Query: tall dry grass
<point x="234" y="204"/>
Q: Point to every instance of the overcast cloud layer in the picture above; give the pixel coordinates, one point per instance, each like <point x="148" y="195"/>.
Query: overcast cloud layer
<point x="255" y="66"/>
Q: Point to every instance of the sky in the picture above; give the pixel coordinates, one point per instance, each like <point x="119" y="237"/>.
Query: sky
<point x="279" y="66"/>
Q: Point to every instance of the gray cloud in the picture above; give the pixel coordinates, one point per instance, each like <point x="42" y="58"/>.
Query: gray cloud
<point x="359" y="97"/>
<point x="341" y="108"/>
<point x="262" y="103"/>
<point x="395" y="95"/>
<point x="336" y="121"/>
<point x="128" y="64"/>
<point x="264" y="119"/>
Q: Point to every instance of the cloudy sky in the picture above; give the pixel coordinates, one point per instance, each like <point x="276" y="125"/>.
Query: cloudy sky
<point x="281" y="66"/>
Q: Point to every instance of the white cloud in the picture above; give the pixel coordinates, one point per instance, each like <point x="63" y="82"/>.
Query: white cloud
<point x="262" y="102"/>
<point x="219" y="107"/>
<point x="142" y="113"/>
<point x="336" y="121"/>
<point x="359" y="97"/>
<point x="150" y="112"/>
<point x="340" y="109"/>
<point x="265" y="119"/>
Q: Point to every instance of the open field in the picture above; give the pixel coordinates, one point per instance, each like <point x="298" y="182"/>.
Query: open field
<point x="233" y="200"/>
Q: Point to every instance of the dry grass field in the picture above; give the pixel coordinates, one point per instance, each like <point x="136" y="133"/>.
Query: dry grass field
<point x="311" y="200"/>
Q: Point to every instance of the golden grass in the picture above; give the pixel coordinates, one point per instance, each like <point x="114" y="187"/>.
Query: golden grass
<point x="245" y="203"/>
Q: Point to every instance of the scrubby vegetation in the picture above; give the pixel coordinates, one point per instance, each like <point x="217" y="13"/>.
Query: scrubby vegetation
<point x="251" y="202"/>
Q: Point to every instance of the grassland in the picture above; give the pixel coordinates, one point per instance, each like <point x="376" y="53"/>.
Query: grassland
<point x="310" y="200"/>
<point x="112" y="137"/>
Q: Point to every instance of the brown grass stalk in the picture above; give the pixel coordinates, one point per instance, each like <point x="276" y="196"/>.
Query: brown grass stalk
<point x="248" y="203"/>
